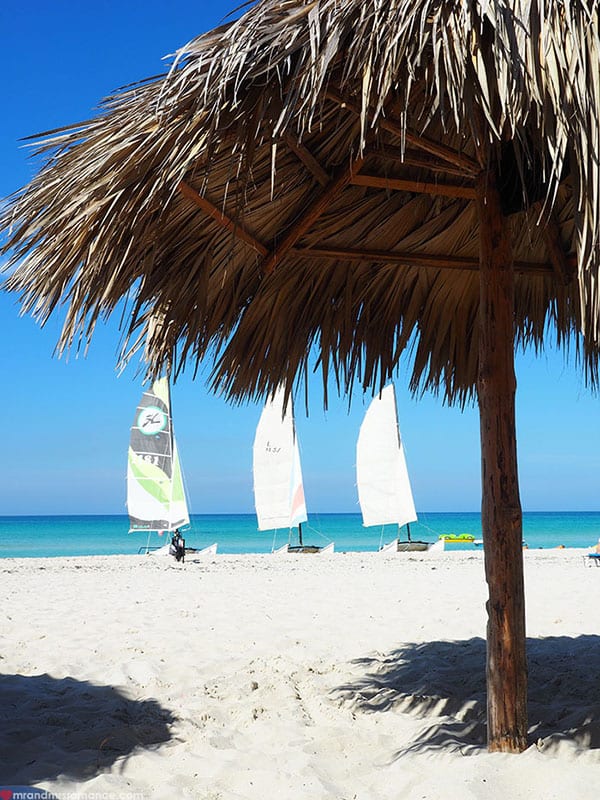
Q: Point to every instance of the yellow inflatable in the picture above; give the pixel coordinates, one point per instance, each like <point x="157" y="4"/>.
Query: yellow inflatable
<point x="457" y="537"/>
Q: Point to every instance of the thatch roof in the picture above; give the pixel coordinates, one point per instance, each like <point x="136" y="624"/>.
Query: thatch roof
<point x="302" y="181"/>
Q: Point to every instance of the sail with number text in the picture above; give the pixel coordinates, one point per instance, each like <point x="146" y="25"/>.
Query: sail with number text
<point x="278" y="489"/>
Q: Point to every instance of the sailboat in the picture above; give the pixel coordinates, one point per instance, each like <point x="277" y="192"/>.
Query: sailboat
<point x="278" y="488"/>
<point x="155" y="493"/>
<point x="384" y="491"/>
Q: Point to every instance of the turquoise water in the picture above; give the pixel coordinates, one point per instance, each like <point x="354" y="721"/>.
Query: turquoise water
<point x="237" y="533"/>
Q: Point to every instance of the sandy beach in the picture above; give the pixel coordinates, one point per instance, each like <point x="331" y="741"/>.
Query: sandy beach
<point x="352" y="676"/>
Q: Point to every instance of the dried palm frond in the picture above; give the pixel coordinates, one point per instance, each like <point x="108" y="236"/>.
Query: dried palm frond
<point x="229" y="200"/>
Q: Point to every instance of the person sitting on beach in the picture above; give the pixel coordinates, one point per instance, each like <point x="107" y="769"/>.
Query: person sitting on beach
<point x="177" y="546"/>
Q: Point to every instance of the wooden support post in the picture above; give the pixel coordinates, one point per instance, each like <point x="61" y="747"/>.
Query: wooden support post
<point x="501" y="516"/>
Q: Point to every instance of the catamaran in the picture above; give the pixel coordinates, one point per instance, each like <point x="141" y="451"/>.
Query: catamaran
<point x="278" y="487"/>
<point x="384" y="491"/>
<point x="155" y="492"/>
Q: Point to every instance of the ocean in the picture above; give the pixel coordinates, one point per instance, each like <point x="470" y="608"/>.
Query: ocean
<point x="40" y="536"/>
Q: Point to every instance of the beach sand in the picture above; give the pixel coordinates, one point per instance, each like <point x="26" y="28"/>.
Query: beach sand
<point x="352" y="676"/>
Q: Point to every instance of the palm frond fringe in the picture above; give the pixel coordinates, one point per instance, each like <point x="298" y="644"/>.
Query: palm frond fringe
<point x="301" y="182"/>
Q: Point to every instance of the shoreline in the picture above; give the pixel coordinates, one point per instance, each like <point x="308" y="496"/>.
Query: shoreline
<point x="302" y="677"/>
<point x="450" y="552"/>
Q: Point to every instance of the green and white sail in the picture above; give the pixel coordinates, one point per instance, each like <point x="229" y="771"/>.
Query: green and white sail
<point x="155" y="493"/>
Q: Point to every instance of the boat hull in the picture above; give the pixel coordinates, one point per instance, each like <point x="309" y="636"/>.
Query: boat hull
<point x="310" y="548"/>
<point x="404" y="547"/>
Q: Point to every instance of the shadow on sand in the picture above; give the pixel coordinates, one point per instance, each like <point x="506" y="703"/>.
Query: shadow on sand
<point x="443" y="683"/>
<point x="53" y="726"/>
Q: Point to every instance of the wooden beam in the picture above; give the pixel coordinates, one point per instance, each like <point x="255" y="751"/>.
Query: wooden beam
<point x="420" y="187"/>
<point x="501" y="516"/>
<point x="312" y="214"/>
<point x="551" y="231"/>
<point x="448" y="154"/>
<point x="223" y="220"/>
<point x="469" y="165"/>
<point x="412" y="259"/>
<point x="410" y="158"/>
<point x="307" y="158"/>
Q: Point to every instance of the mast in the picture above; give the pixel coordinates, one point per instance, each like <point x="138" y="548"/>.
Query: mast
<point x="170" y="443"/>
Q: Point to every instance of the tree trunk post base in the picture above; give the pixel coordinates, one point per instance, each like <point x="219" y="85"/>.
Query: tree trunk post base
<point x="501" y="517"/>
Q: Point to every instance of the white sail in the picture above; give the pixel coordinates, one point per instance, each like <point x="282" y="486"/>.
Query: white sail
<point x="155" y="492"/>
<point x="384" y="491"/>
<point x="278" y="488"/>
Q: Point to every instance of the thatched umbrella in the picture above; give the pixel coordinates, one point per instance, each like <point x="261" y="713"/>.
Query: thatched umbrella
<point x="347" y="179"/>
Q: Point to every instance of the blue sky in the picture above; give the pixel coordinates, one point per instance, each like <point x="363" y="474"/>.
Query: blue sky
<point x="65" y="422"/>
